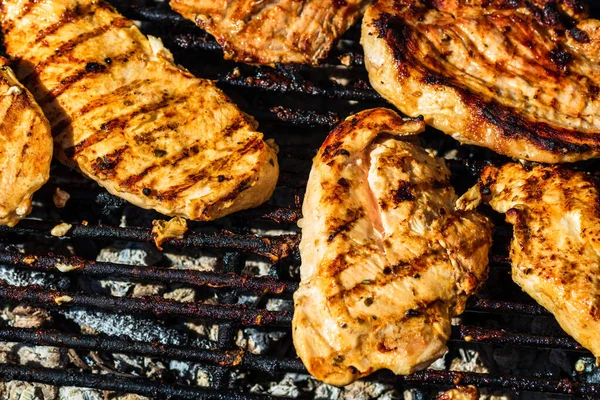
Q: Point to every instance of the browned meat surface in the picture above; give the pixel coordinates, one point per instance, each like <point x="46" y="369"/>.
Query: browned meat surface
<point x="555" y="250"/>
<point x="126" y="116"/>
<point x="275" y="31"/>
<point x="519" y="77"/>
<point x="25" y="148"/>
<point x="387" y="259"/>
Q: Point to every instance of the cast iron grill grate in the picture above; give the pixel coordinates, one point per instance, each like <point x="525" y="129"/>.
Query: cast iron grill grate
<point x="296" y="106"/>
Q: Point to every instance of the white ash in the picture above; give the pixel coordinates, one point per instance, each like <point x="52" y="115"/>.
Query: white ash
<point x="199" y="263"/>
<point x="29" y="317"/>
<point x="130" y="254"/>
<point x="248" y="300"/>
<point x="21" y="277"/>
<point x="182" y="295"/>
<point x="439" y="364"/>
<point x="274" y="304"/>
<point x="258" y="342"/>
<point x="19" y="390"/>
<point x="362" y="390"/>
<point x="327" y="392"/>
<point x="286" y="388"/>
<point x="468" y="361"/>
<point x="136" y="328"/>
<point x="256" y="268"/>
<point x="192" y="372"/>
<point x="74" y="393"/>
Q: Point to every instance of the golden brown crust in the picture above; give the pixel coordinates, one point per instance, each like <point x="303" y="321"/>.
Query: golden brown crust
<point x="25" y="148"/>
<point x="460" y="393"/>
<point x="387" y="259"/>
<point x="556" y="245"/>
<point x="276" y="31"/>
<point x="126" y="116"/>
<point x="517" y="77"/>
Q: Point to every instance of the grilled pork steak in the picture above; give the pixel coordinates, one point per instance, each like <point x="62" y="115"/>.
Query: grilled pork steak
<point x="387" y="259"/>
<point x="519" y="77"/>
<point x="126" y="116"/>
<point x="25" y="148"/>
<point x="555" y="250"/>
<point x="279" y="31"/>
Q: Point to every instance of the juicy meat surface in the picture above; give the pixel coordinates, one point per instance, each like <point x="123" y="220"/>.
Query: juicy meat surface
<point x="276" y="31"/>
<point x="555" y="251"/>
<point x="519" y="77"/>
<point x="25" y="148"/>
<point x="125" y="115"/>
<point x="387" y="259"/>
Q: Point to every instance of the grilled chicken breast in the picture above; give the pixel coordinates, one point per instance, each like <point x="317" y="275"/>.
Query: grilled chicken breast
<point x="555" y="250"/>
<point x="387" y="259"/>
<point x="126" y="116"/>
<point x="25" y="148"/>
<point x="277" y="31"/>
<point x="519" y="77"/>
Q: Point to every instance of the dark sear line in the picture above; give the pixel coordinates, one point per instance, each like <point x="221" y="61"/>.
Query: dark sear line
<point x="119" y="123"/>
<point x="108" y="99"/>
<point x="67" y="48"/>
<point x="68" y="16"/>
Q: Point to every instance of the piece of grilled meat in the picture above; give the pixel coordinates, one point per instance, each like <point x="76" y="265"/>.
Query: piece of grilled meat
<point x="125" y="115"/>
<point x="555" y="250"/>
<point x="269" y="32"/>
<point x="460" y="393"/>
<point x="387" y="259"/>
<point x="25" y="148"/>
<point x="519" y="77"/>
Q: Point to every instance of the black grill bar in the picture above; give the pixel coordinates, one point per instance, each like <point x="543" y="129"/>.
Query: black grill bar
<point x="156" y="305"/>
<point x="241" y="359"/>
<point x="233" y="358"/>
<point x="283" y="85"/>
<point x="159" y="390"/>
<point x="451" y="378"/>
<point x="492" y="306"/>
<point x="157" y="274"/>
<point x="118" y="383"/>
<point x="497" y="336"/>
<point x="274" y="248"/>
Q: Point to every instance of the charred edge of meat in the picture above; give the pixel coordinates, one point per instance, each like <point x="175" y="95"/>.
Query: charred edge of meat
<point x="398" y="37"/>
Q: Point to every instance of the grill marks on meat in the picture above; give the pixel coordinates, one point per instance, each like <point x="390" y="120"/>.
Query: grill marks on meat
<point x="127" y="117"/>
<point x="25" y="148"/>
<point x="276" y="31"/>
<point x="517" y="77"/>
<point x="555" y="250"/>
<point x="387" y="260"/>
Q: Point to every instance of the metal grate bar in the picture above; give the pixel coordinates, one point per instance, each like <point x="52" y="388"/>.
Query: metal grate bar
<point x="151" y="304"/>
<point x="157" y="274"/>
<point x="231" y="358"/>
<point x="117" y="383"/>
<point x="160" y="390"/>
<point x="496" y="336"/>
<point x="274" y="248"/>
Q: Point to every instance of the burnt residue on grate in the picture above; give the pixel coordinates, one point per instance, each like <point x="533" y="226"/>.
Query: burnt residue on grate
<point x="100" y="311"/>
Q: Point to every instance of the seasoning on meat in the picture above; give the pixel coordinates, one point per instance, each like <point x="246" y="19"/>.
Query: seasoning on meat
<point x="387" y="259"/>
<point x="518" y="77"/>
<point x="126" y="116"/>
<point x="269" y="32"/>
<point x="555" y="250"/>
<point x="25" y="148"/>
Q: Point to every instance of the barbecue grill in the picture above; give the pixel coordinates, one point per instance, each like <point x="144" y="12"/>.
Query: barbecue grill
<point x="210" y="317"/>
